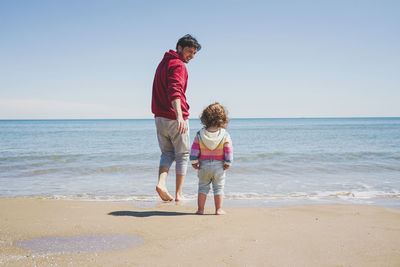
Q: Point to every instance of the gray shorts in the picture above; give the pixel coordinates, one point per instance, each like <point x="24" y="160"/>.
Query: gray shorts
<point x="211" y="171"/>
<point x="174" y="146"/>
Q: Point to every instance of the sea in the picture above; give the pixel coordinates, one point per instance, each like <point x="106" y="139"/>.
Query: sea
<point x="277" y="162"/>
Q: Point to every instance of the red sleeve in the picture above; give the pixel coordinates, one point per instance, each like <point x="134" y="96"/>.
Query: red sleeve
<point x="176" y="82"/>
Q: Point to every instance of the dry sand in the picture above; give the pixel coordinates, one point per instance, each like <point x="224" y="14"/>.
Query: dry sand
<point x="315" y="235"/>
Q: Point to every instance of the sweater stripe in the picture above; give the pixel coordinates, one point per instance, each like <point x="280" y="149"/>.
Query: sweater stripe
<point x="223" y="152"/>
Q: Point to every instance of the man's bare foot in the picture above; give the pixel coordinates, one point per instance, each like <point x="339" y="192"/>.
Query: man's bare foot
<point x="220" y="212"/>
<point x="179" y="197"/>
<point x="163" y="193"/>
<point x="200" y="212"/>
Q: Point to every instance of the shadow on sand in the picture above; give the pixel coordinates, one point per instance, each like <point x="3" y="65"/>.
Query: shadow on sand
<point x="148" y="213"/>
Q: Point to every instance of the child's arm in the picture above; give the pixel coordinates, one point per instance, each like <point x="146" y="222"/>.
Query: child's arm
<point x="195" y="153"/>
<point x="228" y="152"/>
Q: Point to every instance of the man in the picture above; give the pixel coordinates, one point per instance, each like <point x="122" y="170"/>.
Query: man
<point x="171" y="112"/>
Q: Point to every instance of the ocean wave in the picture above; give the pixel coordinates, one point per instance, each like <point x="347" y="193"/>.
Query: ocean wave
<point x="317" y="195"/>
<point x="321" y="195"/>
<point x="73" y="171"/>
<point x="66" y="158"/>
<point x="318" y="157"/>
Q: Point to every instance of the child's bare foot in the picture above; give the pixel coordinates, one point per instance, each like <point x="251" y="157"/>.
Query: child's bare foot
<point x="220" y="212"/>
<point x="163" y="193"/>
<point x="200" y="212"/>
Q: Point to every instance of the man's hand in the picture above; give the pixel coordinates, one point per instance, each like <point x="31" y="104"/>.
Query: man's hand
<point x="226" y="166"/>
<point x="196" y="166"/>
<point x="182" y="126"/>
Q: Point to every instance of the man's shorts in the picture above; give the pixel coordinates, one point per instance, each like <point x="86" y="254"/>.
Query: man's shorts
<point x="174" y="146"/>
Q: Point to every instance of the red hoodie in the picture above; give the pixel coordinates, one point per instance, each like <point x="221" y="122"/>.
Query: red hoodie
<point x="170" y="83"/>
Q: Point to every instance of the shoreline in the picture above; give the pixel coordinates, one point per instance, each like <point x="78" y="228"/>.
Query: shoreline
<point x="154" y="201"/>
<point x="310" y="235"/>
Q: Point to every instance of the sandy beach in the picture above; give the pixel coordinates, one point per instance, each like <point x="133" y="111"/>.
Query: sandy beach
<point x="314" y="235"/>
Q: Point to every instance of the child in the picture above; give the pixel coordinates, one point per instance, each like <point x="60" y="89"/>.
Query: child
<point x="212" y="155"/>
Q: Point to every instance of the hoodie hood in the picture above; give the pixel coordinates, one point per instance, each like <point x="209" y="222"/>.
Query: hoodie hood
<point x="171" y="54"/>
<point x="212" y="139"/>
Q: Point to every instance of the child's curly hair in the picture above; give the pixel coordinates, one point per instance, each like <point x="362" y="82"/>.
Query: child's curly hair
<point x="215" y="115"/>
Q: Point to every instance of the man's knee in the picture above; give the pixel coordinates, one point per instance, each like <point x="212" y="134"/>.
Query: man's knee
<point x="163" y="169"/>
<point x="167" y="159"/>
<point x="184" y="156"/>
<point x="181" y="163"/>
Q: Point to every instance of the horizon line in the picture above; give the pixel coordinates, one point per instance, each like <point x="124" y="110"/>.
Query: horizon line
<point x="233" y="118"/>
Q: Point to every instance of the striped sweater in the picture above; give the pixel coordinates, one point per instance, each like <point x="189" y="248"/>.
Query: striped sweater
<point x="209" y="145"/>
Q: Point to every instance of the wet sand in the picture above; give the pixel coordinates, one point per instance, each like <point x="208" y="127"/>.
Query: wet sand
<point x="314" y="235"/>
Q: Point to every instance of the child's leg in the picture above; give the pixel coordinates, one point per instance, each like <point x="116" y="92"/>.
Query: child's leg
<point x="218" y="188"/>
<point x="201" y="202"/>
<point x="218" y="205"/>
<point x="204" y="187"/>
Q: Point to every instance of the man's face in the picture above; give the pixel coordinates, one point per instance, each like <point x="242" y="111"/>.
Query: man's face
<point x="187" y="53"/>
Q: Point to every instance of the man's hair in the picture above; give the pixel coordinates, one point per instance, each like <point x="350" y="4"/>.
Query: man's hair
<point x="188" y="41"/>
<point x="215" y="115"/>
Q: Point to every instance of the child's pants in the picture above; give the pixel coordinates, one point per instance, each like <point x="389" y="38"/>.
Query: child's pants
<point x="211" y="171"/>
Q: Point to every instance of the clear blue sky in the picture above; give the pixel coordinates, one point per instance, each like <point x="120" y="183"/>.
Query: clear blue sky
<point x="96" y="59"/>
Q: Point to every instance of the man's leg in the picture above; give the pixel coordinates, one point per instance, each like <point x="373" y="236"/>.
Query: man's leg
<point x="180" y="178"/>
<point x="161" y="185"/>
<point x="182" y="151"/>
<point x="166" y="159"/>
<point x="181" y="169"/>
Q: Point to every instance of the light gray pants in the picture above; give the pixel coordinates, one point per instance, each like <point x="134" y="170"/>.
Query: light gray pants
<point x="174" y="146"/>
<point x="211" y="171"/>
